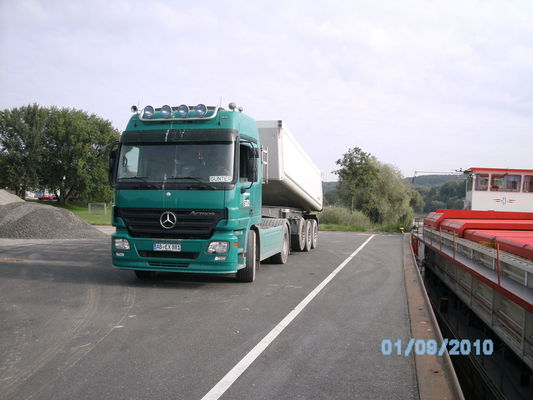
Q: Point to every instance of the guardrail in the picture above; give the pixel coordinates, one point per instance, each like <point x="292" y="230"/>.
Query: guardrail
<point x="504" y="264"/>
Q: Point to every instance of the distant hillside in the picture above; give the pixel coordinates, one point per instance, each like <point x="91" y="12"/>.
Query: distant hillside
<point x="329" y="186"/>
<point x="431" y="180"/>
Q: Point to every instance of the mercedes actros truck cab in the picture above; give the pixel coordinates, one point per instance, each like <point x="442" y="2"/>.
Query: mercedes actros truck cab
<point x="202" y="189"/>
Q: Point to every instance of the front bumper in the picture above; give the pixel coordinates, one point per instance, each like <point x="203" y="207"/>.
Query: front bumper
<point x="193" y="257"/>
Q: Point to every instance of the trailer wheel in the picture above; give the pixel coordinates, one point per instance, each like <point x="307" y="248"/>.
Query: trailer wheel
<point x="298" y="240"/>
<point x="281" y="257"/>
<point x="314" y="233"/>
<point x="308" y="235"/>
<point x="247" y="274"/>
<point x="144" y="275"/>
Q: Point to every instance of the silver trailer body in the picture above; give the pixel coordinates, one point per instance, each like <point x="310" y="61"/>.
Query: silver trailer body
<point x="291" y="178"/>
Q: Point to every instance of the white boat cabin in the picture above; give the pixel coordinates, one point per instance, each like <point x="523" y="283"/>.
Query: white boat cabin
<point x="499" y="189"/>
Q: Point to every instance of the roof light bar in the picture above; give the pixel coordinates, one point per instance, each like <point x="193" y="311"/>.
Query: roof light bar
<point x="148" y="112"/>
<point x="201" y="110"/>
<point x="166" y="111"/>
<point x="183" y="111"/>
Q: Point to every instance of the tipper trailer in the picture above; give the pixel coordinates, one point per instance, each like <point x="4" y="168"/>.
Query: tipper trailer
<point x="208" y="190"/>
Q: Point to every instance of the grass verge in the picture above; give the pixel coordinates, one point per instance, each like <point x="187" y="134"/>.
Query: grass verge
<point x="340" y="219"/>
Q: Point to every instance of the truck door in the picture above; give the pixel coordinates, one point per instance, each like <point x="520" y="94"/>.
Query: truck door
<point x="250" y="188"/>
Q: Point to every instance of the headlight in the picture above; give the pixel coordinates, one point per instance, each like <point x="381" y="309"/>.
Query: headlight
<point x="218" y="247"/>
<point x="122" y="244"/>
<point x="148" y="112"/>
<point x="200" y="110"/>
<point x="166" y="111"/>
<point x="183" y="111"/>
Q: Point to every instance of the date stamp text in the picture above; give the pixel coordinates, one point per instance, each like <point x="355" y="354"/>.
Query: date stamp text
<point x="430" y="347"/>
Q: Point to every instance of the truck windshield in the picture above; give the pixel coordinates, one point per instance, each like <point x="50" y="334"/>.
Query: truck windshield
<point x="190" y="162"/>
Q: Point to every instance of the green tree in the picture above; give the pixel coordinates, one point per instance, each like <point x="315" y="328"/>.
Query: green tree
<point x="390" y="203"/>
<point x="358" y="170"/>
<point x="73" y="164"/>
<point x="416" y="201"/>
<point x="56" y="149"/>
<point x="376" y="189"/>
<point x="21" y="147"/>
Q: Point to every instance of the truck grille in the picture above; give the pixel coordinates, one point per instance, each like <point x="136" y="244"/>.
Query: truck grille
<point x="168" y="254"/>
<point x="190" y="224"/>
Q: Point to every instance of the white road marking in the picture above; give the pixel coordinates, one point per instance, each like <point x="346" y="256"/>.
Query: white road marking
<point x="224" y="384"/>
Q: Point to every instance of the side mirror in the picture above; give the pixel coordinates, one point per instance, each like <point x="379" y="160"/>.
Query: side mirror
<point x="252" y="168"/>
<point x="111" y="167"/>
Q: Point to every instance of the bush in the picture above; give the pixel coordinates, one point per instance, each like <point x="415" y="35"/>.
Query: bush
<point x="343" y="216"/>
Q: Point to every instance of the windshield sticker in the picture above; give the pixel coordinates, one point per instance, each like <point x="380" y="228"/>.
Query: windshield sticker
<point x="220" y="178"/>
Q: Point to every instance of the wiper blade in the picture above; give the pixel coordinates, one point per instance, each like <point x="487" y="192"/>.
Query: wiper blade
<point x="194" y="178"/>
<point x="140" y="178"/>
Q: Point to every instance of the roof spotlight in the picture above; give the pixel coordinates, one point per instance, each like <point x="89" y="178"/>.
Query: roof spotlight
<point x="166" y="111"/>
<point x="200" y="110"/>
<point x="232" y="106"/>
<point x="183" y="111"/>
<point x="148" y="112"/>
<point x="134" y="108"/>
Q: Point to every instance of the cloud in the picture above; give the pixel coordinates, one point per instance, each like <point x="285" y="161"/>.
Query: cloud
<point x="419" y="84"/>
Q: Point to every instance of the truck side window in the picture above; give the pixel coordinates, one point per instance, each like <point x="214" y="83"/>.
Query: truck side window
<point x="247" y="163"/>
<point x="243" y="162"/>
<point x="129" y="162"/>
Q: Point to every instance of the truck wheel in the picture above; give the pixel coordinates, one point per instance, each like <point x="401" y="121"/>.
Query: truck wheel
<point x="298" y="240"/>
<point x="247" y="274"/>
<point x="144" y="275"/>
<point x="281" y="257"/>
<point x="314" y="233"/>
<point x="308" y="235"/>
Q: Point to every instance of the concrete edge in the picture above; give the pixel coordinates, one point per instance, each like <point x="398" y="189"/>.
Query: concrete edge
<point x="435" y="374"/>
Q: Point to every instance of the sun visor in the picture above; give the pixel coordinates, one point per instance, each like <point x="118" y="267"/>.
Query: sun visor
<point x="179" y="135"/>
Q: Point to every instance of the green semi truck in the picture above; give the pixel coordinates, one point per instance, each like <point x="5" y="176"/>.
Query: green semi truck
<point x="202" y="189"/>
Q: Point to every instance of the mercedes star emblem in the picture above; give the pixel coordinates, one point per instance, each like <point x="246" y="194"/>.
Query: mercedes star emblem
<point x="168" y="220"/>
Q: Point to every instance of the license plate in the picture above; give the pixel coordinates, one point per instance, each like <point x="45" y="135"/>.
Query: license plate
<point x="167" y="247"/>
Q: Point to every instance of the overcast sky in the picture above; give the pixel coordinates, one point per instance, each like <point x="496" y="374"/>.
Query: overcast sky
<point x="422" y="85"/>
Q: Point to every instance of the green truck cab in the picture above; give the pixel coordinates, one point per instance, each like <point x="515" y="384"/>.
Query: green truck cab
<point x="189" y="196"/>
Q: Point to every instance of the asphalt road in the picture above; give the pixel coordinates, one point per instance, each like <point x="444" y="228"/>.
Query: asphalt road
<point x="73" y="327"/>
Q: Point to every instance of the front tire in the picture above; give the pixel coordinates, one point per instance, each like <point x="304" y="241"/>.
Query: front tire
<point x="247" y="274"/>
<point x="281" y="257"/>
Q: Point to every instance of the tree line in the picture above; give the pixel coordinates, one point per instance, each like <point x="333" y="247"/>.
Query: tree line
<point x="57" y="149"/>
<point x="450" y="195"/>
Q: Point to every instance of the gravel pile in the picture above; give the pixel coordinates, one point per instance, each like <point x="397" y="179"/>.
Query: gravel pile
<point x="26" y="220"/>
<point x="6" y="197"/>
